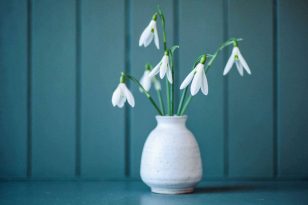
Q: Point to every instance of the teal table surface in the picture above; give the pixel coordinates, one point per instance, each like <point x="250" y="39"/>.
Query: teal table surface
<point x="135" y="192"/>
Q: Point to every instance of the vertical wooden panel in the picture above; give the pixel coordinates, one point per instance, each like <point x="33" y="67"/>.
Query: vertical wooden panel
<point x="13" y="88"/>
<point x="102" y="59"/>
<point x="103" y="128"/>
<point x="143" y="115"/>
<point x="53" y="100"/>
<point x="292" y="88"/>
<point x="201" y="31"/>
<point x="251" y="97"/>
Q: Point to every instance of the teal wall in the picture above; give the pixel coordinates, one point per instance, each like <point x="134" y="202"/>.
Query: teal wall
<point x="60" y="61"/>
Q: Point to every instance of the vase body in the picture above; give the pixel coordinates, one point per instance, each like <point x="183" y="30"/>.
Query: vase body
<point x="171" y="161"/>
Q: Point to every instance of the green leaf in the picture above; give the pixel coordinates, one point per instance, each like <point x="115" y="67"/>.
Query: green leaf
<point x="173" y="48"/>
<point x="160" y="13"/>
<point x="159" y="10"/>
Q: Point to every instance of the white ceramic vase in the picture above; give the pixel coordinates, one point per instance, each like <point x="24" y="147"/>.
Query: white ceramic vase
<point x="171" y="161"/>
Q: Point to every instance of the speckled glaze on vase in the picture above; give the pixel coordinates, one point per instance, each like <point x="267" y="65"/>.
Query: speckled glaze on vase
<point x="171" y="161"/>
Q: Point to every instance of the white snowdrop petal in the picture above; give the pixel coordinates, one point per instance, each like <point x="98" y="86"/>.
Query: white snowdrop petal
<point x="155" y="70"/>
<point x="131" y="99"/>
<point x="147" y="84"/>
<point x="152" y="24"/>
<point x="147" y="34"/>
<point x="145" y="81"/>
<point x="116" y="96"/>
<point x="144" y="35"/>
<point x="156" y="84"/>
<point x="156" y="38"/>
<point x="188" y="79"/>
<point x="142" y="79"/>
<point x="121" y="101"/>
<point x="244" y="63"/>
<point x="229" y="64"/>
<point x="235" y="50"/>
<point x="169" y="74"/>
<point x="163" y="67"/>
<point x="196" y="83"/>
<point x="204" y="84"/>
<point x="129" y="96"/>
<point x="239" y="68"/>
<point x="148" y="39"/>
<point x="199" y="66"/>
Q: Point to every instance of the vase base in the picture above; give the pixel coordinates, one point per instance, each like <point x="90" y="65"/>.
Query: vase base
<point x="172" y="190"/>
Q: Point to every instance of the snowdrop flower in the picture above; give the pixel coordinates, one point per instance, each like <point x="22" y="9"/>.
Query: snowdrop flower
<point x="239" y="60"/>
<point x="163" y="68"/>
<point x="150" y="33"/>
<point x="198" y="78"/>
<point x="156" y="83"/>
<point x="146" y="81"/>
<point x="121" y="94"/>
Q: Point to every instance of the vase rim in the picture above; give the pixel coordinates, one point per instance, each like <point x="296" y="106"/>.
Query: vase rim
<point x="171" y="117"/>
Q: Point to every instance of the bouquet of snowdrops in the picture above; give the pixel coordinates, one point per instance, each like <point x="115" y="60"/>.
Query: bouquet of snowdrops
<point x="165" y="68"/>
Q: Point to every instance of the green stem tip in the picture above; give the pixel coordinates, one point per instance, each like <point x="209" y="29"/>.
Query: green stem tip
<point x="203" y="59"/>
<point x="122" y="78"/>
<point x="154" y="16"/>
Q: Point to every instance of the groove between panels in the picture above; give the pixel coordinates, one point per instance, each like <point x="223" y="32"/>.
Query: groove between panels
<point x="78" y="89"/>
<point x="275" y="88"/>
<point x="29" y="88"/>
<point x="176" y="42"/>
<point x="127" y="70"/>
<point x="225" y="91"/>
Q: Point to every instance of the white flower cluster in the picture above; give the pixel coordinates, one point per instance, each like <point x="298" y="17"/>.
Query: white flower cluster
<point x="197" y="77"/>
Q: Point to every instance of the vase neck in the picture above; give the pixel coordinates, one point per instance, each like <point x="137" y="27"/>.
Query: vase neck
<point x="171" y="120"/>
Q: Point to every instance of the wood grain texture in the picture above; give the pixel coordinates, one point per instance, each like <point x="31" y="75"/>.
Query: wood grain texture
<point x="250" y="107"/>
<point x="201" y="31"/>
<point x="292" y="88"/>
<point x="53" y="90"/>
<point x="13" y="88"/>
<point x="102" y="60"/>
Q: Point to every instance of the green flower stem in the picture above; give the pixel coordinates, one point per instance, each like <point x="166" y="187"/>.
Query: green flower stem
<point x="172" y="89"/>
<point x="160" y="100"/>
<point x="171" y="51"/>
<point x="168" y="85"/>
<point x="163" y="22"/>
<point x="182" y="101"/>
<point x="186" y="104"/>
<point x="145" y="92"/>
<point x="172" y="85"/>
<point x="168" y="97"/>
<point x="148" y="67"/>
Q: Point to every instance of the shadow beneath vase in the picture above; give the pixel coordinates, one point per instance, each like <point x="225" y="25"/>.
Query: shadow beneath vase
<point x="225" y="189"/>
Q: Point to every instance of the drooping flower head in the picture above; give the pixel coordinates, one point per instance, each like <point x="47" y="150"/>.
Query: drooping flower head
<point x="163" y="68"/>
<point x="150" y="33"/>
<point x="156" y="83"/>
<point x="198" y="78"/>
<point x="147" y="80"/>
<point x="237" y="58"/>
<point x="121" y="94"/>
